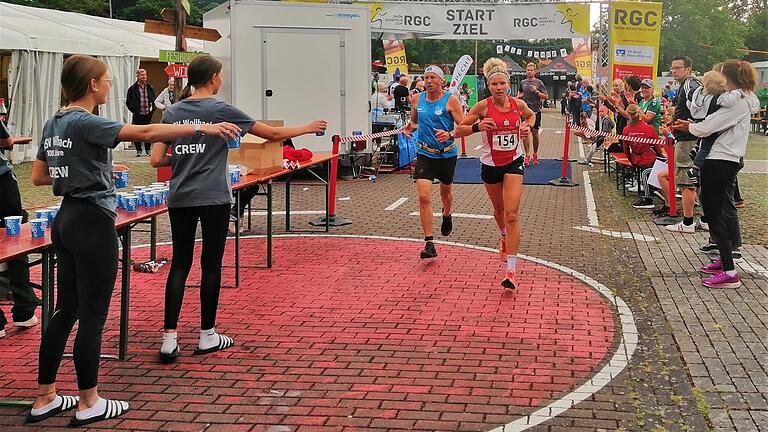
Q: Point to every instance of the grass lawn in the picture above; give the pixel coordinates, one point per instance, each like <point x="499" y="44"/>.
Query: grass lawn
<point x="754" y="218"/>
<point x="757" y="147"/>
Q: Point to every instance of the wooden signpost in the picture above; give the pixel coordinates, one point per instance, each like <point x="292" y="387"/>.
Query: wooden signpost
<point x="174" y="23"/>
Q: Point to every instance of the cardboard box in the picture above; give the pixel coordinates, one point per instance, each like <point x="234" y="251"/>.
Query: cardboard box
<point x="257" y="155"/>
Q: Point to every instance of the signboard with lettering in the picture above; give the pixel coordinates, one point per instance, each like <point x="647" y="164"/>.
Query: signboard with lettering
<point x="635" y="34"/>
<point x="467" y="21"/>
<point x="178" y="56"/>
<point x="177" y="70"/>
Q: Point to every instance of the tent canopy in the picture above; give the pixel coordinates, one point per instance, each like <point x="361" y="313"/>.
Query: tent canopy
<point x="558" y="66"/>
<point x="512" y="66"/>
<point x="36" y="29"/>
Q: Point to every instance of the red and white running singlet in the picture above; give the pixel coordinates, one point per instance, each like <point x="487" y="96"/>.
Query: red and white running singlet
<point x="502" y="145"/>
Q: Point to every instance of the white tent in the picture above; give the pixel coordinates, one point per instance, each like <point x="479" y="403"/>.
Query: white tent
<point x="40" y="38"/>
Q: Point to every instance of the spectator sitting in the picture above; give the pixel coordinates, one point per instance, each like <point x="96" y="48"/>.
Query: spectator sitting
<point x="606" y="125"/>
<point x="641" y="155"/>
<point x="588" y="123"/>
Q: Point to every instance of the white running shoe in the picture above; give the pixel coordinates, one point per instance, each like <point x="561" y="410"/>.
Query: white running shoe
<point x="703" y="226"/>
<point x="681" y="227"/>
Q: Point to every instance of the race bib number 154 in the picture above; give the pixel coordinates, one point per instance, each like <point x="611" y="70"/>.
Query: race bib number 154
<point x="505" y="142"/>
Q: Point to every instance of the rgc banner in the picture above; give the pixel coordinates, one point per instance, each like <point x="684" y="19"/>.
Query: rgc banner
<point x="635" y="34"/>
<point x="466" y="21"/>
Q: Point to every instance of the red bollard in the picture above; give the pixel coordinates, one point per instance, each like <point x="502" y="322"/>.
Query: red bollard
<point x="463" y="148"/>
<point x="564" y="180"/>
<point x="672" y="217"/>
<point x="671" y="173"/>
<point x="332" y="219"/>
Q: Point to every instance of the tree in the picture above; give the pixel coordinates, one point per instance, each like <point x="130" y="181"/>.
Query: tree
<point x="89" y="7"/>
<point x="703" y="30"/>
<point x="757" y="36"/>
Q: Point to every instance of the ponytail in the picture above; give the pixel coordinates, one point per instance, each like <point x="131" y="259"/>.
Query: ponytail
<point x="633" y="111"/>
<point x="200" y="71"/>
<point x="185" y="92"/>
<point x="739" y="73"/>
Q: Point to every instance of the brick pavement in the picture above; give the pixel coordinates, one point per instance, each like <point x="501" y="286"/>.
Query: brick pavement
<point x="653" y="391"/>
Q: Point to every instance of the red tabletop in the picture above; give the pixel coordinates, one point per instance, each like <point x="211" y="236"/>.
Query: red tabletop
<point x="251" y="179"/>
<point x="24" y="243"/>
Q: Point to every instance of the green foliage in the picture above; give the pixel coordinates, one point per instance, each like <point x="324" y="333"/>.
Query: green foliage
<point x="757" y="35"/>
<point x="89" y="7"/>
<point x="131" y="10"/>
<point x="434" y="51"/>
<point x="704" y="30"/>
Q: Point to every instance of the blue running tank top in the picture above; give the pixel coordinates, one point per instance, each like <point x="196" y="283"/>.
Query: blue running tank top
<point x="434" y="115"/>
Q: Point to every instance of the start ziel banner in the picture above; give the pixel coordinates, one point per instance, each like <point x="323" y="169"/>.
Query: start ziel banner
<point x="542" y="21"/>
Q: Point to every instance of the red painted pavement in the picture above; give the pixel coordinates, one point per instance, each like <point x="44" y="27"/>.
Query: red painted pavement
<point x="347" y="333"/>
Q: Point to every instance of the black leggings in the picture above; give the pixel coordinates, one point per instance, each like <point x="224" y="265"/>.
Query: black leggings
<point x="85" y="242"/>
<point x="716" y="177"/>
<point x="214" y="220"/>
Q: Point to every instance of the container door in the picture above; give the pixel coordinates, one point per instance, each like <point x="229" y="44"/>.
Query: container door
<point x="299" y="63"/>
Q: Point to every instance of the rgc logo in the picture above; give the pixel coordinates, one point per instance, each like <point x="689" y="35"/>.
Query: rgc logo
<point x="635" y="18"/>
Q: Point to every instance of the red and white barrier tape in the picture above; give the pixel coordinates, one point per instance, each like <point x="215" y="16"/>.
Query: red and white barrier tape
<point x="368" y="137"/>
<point x="593" y="132"/>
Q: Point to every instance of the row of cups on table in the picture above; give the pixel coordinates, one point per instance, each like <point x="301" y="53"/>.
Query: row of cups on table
<point x="143" y="196"/>
<point x="42" y="220"/>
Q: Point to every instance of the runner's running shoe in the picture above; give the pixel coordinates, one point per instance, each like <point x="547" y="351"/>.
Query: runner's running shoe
<point x="527" y="160"/>
<point x="447" y="226"/>
<point x="509" y="282"/>
<point x="429" y="251"/>
<point x="503" y="249"/>
<point x="535" y="159"/>
<point x="722" y="280"/>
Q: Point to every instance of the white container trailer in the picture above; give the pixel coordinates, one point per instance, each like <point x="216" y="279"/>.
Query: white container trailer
<point x="296" y="62"/>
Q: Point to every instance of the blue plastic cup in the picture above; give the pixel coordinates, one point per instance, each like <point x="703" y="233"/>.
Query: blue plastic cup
<point x="38" y="227"/>
<point x="43" y="213"/>
<point x="12" y="225"/>
<point x="234" y="142"/>
<point x="234" y="175"/>
<point x="157" y="197"/>
<point x="140" y="197"/>
<point x="122" y="179"/>
<point x="54" y="210"/>
<point x="321" y="133"/>
<point x="148" y="199"/>
<point x="130" y="203"/>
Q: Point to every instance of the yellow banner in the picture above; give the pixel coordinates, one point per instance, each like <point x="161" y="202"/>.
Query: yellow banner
<point x="582" y="57"/>
<point x="394" y="55"/>
<point x="635" y="34"/>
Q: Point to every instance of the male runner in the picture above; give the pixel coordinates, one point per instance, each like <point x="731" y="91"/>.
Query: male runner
<point x="534" y="92"/>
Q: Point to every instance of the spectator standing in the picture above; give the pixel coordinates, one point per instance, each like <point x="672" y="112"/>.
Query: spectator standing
<point x="139" y="101"/>
<point x="682" y="68"/>
<point x="534" y="92"/>
<point x="723" y="164"/>
<point x="167" y="96"/>
<point x="401" y="95"/>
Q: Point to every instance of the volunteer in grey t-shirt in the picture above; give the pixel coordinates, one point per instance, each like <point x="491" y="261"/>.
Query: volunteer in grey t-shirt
<point x="199" y="164"/>
<point x="200" y="191"/>
<point x="74" y="157"/>
<point x="75" y="145"/>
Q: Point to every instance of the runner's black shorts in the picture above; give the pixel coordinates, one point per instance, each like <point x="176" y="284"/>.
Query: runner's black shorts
<point x="433" y="168"/>
<point x="495" y="174"/>
<point x="537" y="125"/>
